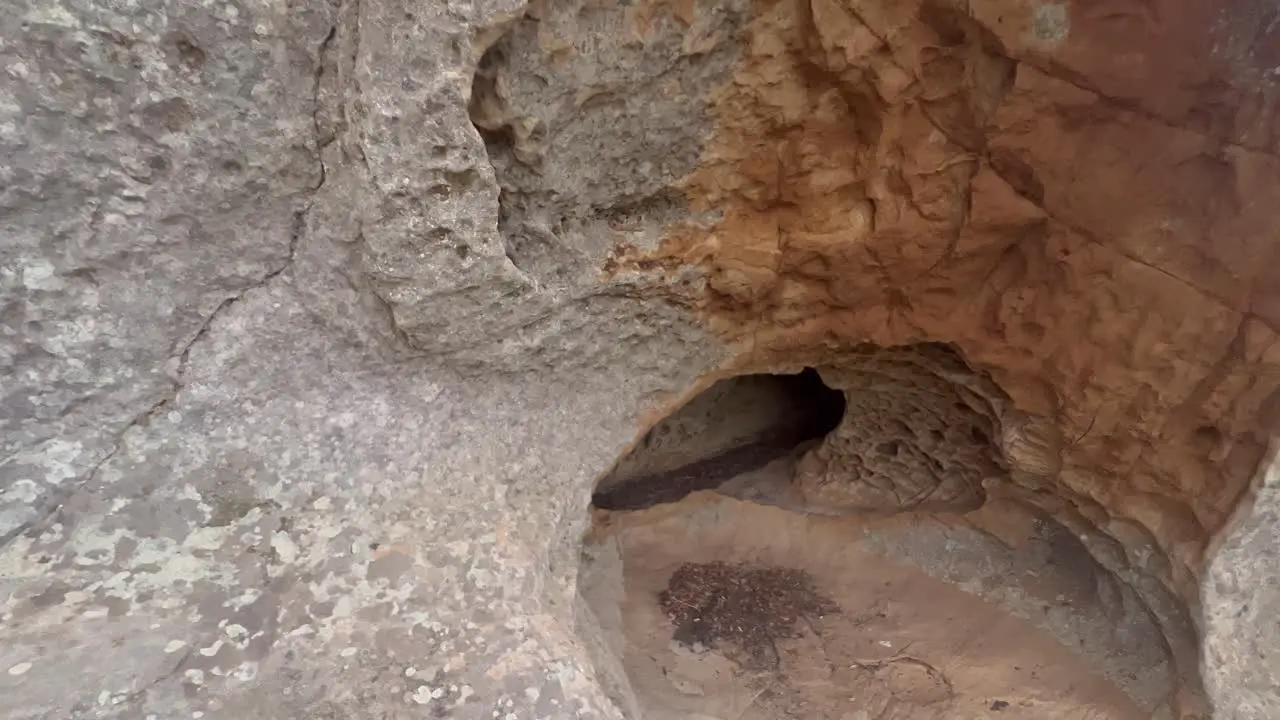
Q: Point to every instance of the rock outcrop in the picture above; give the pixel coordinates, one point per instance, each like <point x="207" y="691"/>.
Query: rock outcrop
<point x="319" y="322"/>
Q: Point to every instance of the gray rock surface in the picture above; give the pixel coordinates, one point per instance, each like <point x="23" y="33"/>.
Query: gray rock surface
<point x="1242" y="608"/>
<point x="245" y="469"/>
<point x="288" y="427"/>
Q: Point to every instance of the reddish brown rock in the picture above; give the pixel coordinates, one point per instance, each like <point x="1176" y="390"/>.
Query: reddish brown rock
<point x="1088" y="225"/>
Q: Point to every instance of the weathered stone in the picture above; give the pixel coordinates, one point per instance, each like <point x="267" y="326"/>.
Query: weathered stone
<point x="911" y="438"/>
<point x="319" y="320"/>
<point x="1240" y="628"/>
<point x="238" y="480"/>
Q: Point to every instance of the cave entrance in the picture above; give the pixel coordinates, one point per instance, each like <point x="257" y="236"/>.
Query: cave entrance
<point x="735" y="426"/>
<point x="850" y="543"/>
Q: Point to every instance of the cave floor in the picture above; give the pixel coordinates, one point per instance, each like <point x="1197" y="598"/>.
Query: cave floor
<point x="913" y="617"/>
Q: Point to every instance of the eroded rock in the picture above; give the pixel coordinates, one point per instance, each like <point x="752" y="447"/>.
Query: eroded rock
<point x="317" y="323"/>
<point x="910" y="439"/>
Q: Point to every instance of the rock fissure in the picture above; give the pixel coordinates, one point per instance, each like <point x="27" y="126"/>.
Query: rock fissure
<point x="55" y="501"/>
<point x="323" y="136"/>
<point x="52" y="502"/>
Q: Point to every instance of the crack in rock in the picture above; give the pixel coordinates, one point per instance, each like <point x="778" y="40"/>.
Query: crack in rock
<point x="57" y="498"/>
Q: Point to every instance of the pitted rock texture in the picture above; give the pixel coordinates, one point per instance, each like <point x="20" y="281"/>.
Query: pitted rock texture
<point x="249" y="273"/>
<point x="318" y="321"/>
<point x="571" y="73"/>
<point x="905" y="172"/>
<point x="910" y="440"/>
<point x="1241" y="632"/>
<point x="734" y="413"/>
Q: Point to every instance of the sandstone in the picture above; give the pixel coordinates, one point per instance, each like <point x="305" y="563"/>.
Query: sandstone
<point x="321" y="324"/>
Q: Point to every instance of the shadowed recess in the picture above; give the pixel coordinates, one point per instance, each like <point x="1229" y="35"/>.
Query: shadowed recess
<point x="736" y="425"/>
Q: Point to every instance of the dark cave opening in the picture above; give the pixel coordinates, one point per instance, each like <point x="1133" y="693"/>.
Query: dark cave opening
<point x="918" y="464"/>
<point x="737" y="425"/>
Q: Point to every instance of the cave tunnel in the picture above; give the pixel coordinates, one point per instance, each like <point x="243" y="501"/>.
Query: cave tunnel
<point x="736" y="425"/>
<point x="869" y="534"/>
<point x="1023" y="537"/>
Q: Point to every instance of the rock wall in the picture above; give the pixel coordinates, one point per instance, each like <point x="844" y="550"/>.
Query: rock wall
<point x="911" y="439"/>
<point x="914" y="173"/>
<point x="1238" y="630"/>
<point x="284" y="431"/>
<point x="318" y="322"/>
<point x="733" y="413"/>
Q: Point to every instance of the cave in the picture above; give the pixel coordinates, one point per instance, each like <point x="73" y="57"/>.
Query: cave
<point x="870" y="538"/>
<point x="737" y="425"/>
<point x="1051" y="402"/>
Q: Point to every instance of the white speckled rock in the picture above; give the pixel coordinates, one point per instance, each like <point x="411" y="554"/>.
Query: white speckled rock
<point x="1242" y="608"/>
<point x="229" y="484"/>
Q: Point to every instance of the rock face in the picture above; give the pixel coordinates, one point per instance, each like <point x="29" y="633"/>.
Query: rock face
<point x="911" y="440"/>
<point x="318" y="322"/>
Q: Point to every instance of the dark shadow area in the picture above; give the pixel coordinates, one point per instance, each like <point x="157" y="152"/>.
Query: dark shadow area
<point x="735" y="426"/>
<point x="824" y="405"/>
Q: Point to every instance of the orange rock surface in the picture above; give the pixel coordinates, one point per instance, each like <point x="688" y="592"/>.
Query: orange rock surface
<point x="1080" y="203"/>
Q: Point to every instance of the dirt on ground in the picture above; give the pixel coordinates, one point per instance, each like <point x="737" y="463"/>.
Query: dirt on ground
<point x="729" y="610"/>
<point x="705" y="474"/>
<point x="741" y="609"/>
